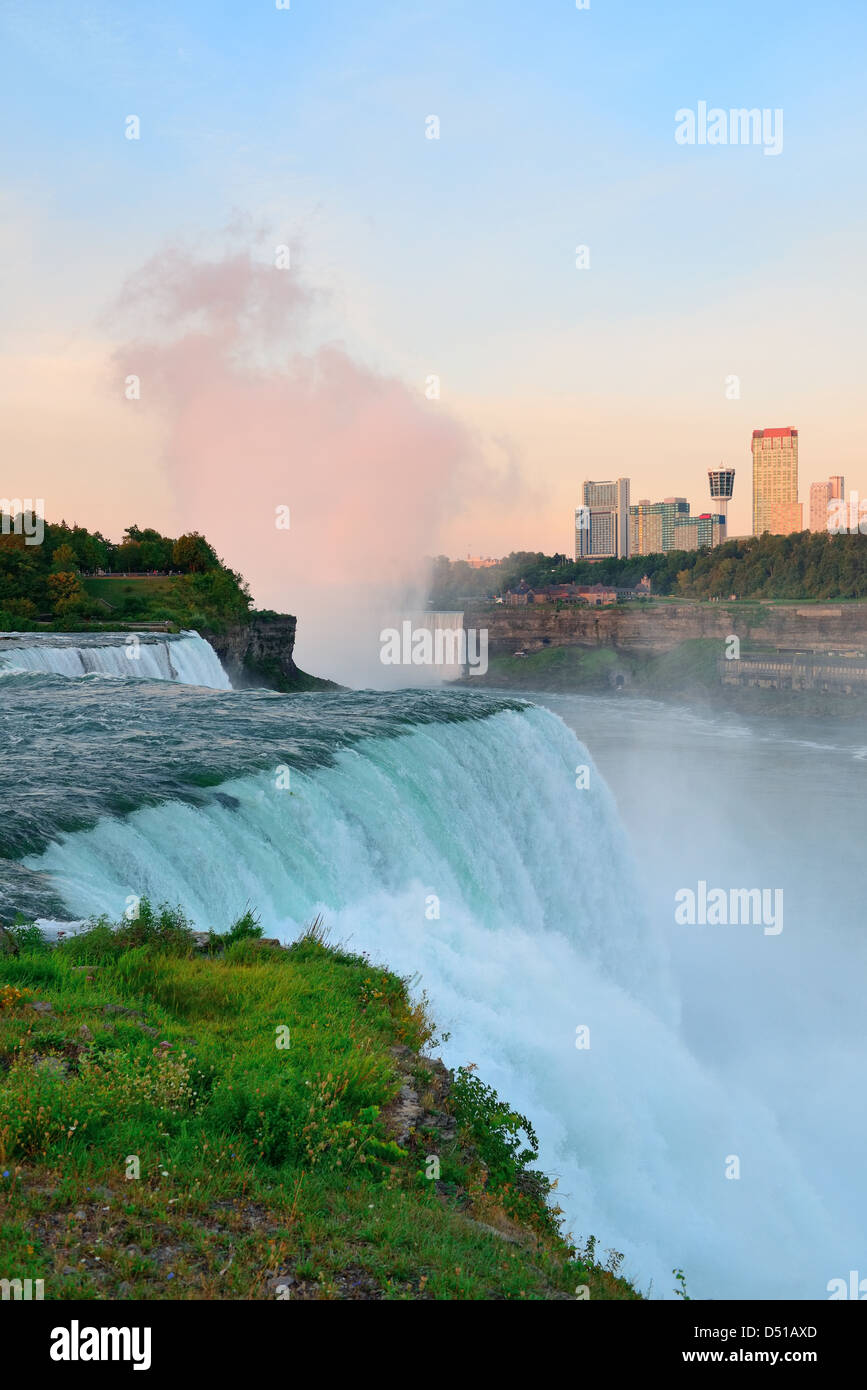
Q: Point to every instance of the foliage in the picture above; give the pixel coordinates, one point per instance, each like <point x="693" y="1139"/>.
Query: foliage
<point x="807" y="565"/>
<point x="681" y="1285"/>
<point x="246" y="928"/>
<point x="66" y="576"/>
<point x="494" y="1127"/>
<point x="495" y="1130"/>
<point x="165" y="930"/>
<point x="175" y="1124"/>
<point x="192" y="553"/>
<point x="64" y="591"/>
<point x="28" y="937"/>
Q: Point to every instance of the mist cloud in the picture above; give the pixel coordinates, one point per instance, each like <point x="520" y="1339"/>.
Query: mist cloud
<point x="257" y="416"/>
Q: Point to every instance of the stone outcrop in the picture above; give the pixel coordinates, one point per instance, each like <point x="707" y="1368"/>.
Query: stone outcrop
<point x="261" y="648"/>
<point x="660" y="627"/>
<point x="259" y="652"/>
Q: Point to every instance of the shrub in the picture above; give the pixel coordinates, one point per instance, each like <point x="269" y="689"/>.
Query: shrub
<point x="165" y="929"/>
<point x="246" y="929"/>
<point x="161" y="1082"/>
<point x="494" y="1128"/>
<point x="28" y="937"/>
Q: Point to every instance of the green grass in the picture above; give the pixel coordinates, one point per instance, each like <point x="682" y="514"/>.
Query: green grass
<point x="183" y="1124"/>
<point x="188" y="600"/>
<point x="554" y="668"/>
<point x="150" y="587"/>
<point x="690" y="666"/>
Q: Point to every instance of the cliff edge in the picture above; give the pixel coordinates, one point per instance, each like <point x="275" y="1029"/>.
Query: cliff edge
<point x="259" y="652"/>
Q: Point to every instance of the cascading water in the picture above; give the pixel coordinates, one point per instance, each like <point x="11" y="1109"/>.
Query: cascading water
<point x="460" y="850"/>
<point x="187" y="659"/>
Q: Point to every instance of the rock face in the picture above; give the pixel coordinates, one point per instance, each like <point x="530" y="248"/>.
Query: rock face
<point x="259" y="652"/>
<point x="660" y="627"/>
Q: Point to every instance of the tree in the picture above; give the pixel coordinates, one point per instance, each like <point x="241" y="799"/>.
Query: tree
<point x="64" y="560"/>
<point x="192" y="553"/>
<point x="65" y="591"/>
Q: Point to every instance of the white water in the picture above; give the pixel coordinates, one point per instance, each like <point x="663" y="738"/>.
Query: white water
<point x="188" y="659"/>
<point x="541" y="929"/>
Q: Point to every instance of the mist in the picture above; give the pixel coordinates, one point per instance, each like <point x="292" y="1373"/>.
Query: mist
<point x="777" y="1021"/>
<point x="325" y="482"/>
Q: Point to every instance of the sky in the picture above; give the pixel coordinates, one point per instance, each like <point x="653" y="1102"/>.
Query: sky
<point x="432" y="372"/>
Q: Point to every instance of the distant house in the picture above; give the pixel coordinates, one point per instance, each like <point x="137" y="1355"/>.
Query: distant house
<point x="520" y="595"/>
<point x="641" y="590"/>
<point x="597" y="595"/>
<point x="554" y="593"/>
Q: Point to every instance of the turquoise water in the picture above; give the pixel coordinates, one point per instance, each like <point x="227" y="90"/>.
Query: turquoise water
<point x="445" y="833"/>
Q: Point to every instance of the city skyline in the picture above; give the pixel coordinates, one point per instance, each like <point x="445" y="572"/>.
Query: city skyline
<point x="415" y="258"/>
<point x="669" y="524"/>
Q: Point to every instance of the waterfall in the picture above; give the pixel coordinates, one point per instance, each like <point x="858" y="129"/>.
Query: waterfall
<point x="187" y="659"/>
<point x="464" y="853"/>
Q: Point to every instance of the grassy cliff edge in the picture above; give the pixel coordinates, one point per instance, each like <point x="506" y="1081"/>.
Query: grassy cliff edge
<point x="187" y="1116"/>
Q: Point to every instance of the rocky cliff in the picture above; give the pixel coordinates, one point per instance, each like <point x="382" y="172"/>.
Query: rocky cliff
<point x="662" y="626"/>
<point x="260" y="652"/>
<point x="796" y="658"/>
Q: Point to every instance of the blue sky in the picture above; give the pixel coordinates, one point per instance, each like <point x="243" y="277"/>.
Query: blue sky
<point x="457" y="256"/>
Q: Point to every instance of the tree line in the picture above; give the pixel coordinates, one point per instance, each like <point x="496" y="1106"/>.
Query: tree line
<point x="806" y="565"/>
<point x="51" y="578"/>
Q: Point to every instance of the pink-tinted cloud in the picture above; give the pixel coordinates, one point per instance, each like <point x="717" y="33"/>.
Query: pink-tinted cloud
<point x="255" y="420"/>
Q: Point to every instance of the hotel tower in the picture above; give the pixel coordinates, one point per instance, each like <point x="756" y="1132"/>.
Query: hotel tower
<point x="775" y="482"/>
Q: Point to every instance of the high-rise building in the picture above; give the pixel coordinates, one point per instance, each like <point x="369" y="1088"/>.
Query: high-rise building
<point x="821" y="495"/>
<point x="694" y="532"/>
<point x="657" y="527"/>
<point x="651" y="525"/>
<point x="784" y="518"/>
<point x="775" y="482"/>
<point x="602" y="522"/>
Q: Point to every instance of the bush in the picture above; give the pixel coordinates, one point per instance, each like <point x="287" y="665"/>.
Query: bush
<point x="246" y="929"/>
<point x="165" y="929"/>
<point x="495" y="1129"/>
<point x="28" y="937"/>
<point x="11" y="622"/>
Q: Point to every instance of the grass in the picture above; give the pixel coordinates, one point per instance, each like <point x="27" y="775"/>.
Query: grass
<point x="555" y="668"/>
<point x="183" y="1120"/>
<point x="690" y="666"/>
<point x="210" y="600"/>
<point x="115" y="590"/>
